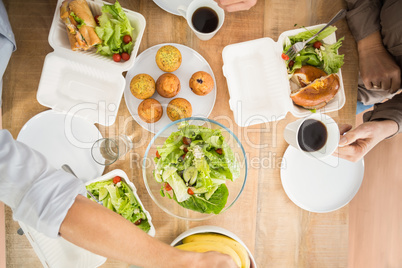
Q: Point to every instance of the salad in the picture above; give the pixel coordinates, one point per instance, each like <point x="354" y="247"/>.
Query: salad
<point x="315" y="53"/>
<point x="193" y="165"/>
<point x="117" y="196"/>
<point x="115" y="31"/>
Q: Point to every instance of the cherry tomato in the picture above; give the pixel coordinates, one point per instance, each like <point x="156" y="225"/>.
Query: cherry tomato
<point x="116" y="179"/>
<point x="116" y="57"/>
<point x="317" y="44"/>
<point x="158" y="155"/>
<point x="97" y="19"/>
<point x="219" y="150"/>
<point x="285" y="57"/>
<point x="125" y="56"/>
<point x="168" y="187"/>
<point x="185" y="150"/>
<point x="186" y="141"/>
<point x="127" y="39"/>
<point x="138" y="222"/>
<point x="189" y="191"/>
<point x="291" y="63"/>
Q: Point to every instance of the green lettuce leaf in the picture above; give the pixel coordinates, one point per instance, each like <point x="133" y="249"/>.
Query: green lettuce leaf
<point x="303" y="36"/>
<point x="332" y="61"/>
<point x="214" y="204"/>
<point x="120" y="199"/>
<point x="113" y="26"/>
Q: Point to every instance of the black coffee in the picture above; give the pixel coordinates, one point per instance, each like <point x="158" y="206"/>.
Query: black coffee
<point x="205" y="20"/>
<point x="312" y="135"/>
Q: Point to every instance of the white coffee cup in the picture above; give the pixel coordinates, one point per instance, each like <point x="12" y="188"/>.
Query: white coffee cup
<point x="291" y="134"/>
<point x="187" y="13"/>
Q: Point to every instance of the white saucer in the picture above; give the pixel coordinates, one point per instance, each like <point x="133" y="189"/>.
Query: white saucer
<point x="192" y="62"/>
<point x="320" y="185"/>
<point x="172" y="5"/>
<point x="63" y="140"/>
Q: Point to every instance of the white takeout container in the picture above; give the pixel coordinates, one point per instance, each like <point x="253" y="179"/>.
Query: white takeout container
<point x="217" y="230"/>
<point x="258" y="82"/>
<point x="85" y="83"/>
<point x="123" y="176"/>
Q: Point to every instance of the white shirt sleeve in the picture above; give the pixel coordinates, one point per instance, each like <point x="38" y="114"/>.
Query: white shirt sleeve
<point x="39" y="195"/>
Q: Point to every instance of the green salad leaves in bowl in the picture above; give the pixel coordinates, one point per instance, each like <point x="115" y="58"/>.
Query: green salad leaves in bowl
<point x="195" y="168"/>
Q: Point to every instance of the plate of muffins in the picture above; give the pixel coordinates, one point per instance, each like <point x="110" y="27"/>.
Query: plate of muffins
<point x="169" y="82"/>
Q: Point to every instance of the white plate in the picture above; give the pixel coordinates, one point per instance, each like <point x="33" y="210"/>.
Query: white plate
<point x="320" y="185"/>
<point x="192" y="62"/>
<point x="63" y="139"/>
<point x="172" y="5"/>
<point x="59" y="253"/>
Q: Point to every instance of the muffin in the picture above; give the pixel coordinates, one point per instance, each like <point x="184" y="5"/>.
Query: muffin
<point x="179" y="108"/>
<point x="150" y="110"/>
<point x="168" y="58"/>
<point x="201" y="83"/>
<point x="168" y="85"/>
<point x="142" y="86"/>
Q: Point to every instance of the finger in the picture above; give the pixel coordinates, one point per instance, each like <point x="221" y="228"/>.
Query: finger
<point x="344" y="128"/>
<point x="230" y="2"/>
<point x="367" y="83"/>
<point x="396" y="83"/>
<point x="352" y="136"/>
<point x="237" y="7"/>
<point x="386" y="84"/>
<point x="351" y="153"/>
<point x="376" y="85"/>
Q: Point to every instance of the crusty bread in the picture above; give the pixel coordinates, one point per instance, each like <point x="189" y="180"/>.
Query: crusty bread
<point x="317" y="94"/>
<point x="306" y="75"/>
<point x="85" y="37"/>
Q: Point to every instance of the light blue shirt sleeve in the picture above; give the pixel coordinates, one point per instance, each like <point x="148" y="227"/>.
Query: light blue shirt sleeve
<point x="5" y="27"/>
<point x="39" y="195"/>
<point x="7" y="43"/>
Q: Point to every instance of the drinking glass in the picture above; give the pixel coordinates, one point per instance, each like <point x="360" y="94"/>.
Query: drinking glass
<point x="106" y="151"/>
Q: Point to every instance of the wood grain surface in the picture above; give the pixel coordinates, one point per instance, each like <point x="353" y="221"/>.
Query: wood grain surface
<point x="279" y="233"/>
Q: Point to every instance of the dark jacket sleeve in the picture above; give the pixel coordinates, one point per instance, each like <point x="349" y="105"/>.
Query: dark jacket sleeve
<point x="391" y="109"/>
<point x="363" y="17"/>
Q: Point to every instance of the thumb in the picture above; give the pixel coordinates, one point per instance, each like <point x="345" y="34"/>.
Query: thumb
<point x="351" y="136"/>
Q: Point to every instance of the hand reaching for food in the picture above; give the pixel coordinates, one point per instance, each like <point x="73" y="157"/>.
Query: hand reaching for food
<point x="236" y="5"/>
<point x="377" y="67"/>
<point x="213" y="259"/>
<point x="356" y="143"/>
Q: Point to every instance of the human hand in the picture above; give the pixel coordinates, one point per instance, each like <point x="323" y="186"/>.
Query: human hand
<point x="213" y="259"/>
<point x="377" y="67"/>
<point x="355" y="144"/>
<point x="236" y="5"/>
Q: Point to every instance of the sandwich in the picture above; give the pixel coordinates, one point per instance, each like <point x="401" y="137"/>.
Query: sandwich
<point x="306" y="75"/>
<point x="80" y="24"/>
<point x="318" y="93"/>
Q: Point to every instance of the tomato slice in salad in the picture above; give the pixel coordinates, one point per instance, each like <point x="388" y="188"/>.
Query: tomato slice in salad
<point x="116" y="179"/>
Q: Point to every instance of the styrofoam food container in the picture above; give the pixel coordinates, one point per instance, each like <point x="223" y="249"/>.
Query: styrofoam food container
<point x="213" y="229"/>
<point x="123" y="176"/>
<point x="258" y="83"/>
<point x="85" y="83"/>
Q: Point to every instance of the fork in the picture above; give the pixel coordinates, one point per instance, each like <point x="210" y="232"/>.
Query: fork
<point x="297" y="47"/>
<point x="68" y="169"/>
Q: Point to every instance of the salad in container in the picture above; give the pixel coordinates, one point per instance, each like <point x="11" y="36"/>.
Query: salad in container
<point x="118" y="194"/>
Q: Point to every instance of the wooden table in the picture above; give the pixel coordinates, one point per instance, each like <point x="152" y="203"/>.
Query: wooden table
<point x="279" y="233"/>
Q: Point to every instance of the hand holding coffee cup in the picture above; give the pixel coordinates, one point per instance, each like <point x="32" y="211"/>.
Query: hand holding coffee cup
<point x="204" y="17"/>
<point x="316" y="135"/>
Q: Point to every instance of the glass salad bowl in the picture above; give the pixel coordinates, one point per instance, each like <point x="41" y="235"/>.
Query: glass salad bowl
<point x="195" y="168"/>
